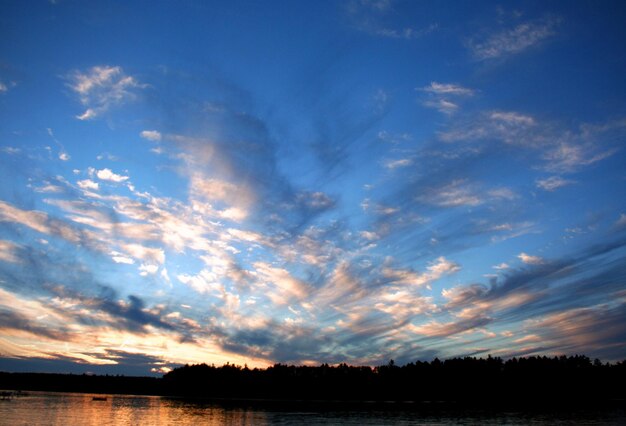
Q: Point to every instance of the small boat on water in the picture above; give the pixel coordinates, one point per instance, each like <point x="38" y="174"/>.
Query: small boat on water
<point x="99" y="398"/>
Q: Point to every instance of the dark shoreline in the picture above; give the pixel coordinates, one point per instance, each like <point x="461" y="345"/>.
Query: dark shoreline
<point x="565" y="382"/>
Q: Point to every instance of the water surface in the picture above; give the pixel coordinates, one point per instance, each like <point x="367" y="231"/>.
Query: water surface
<point x="42" y="408"/>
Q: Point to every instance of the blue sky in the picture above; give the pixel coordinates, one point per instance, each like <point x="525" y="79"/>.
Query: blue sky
<point x="337" y="181"/>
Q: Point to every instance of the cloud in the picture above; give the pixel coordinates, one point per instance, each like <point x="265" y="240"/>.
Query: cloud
<point x="38" y="221"/>
<point x="559" y="149"/>
<point x="435" y="270"/>
<point x="369" y="17"/>
<point x="8" y="252"/>
<point x="102" y="87"/>
<point x="281" y="286"/>
<point x="394" y="164"/>
<point x="64" y="156"/>
<point x="442" y="105"/>
<point x="121" y="258"/>
<point x="512" y="118"/>
<point x="149" y="254"/>
<point x="151" y="135"/>
<point x="513" y="41"/>
<point x="567" y="157"/>
<point x="460" y="192"/>
<point x="407" y="33"/>
<point x="88" y="184"/>
<point x="553" y="182"/>
<point x="393" y="138"/>
<point x="11" y="150"/>
<point x="447" y="89"/>
<point x="439" y="96"/>
<point x="15" y="321"/>
<point x="621" y="222"/>
<point x="108" y="175"/>
<point x="3" y="87"/>
<point x="530" y="260"/>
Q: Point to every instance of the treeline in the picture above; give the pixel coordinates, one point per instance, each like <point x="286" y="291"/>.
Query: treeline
<point x="483" y="380"/>
<point x="473" y="380"/>
<point x="85" y="383"/>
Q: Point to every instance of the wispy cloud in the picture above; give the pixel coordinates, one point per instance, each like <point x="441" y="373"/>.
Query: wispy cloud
<point x="151" y="135"/>
<point x="560" y="149"/>
<point x="514" y="40"/>
<point x="102" y="87"/>
<point x="552" y="183"/>
<point x="460" y="192"/>
<point x="8" y="252"/>
<point x="439" y="95"/>
<point x="394" y="164"/>
<point x="447" y="89"/>
<point x="530" y="260"/>
<point x="369" y="17"/>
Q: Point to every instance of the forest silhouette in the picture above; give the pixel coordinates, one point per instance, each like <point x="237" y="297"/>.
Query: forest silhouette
<point x="547" y="380"/>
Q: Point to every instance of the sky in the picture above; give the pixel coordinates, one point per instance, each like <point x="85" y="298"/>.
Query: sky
<point x="310" y="182"/>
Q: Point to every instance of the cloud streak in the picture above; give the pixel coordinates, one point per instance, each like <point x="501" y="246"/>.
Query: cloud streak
<point x="514" y="40"/>
<point x="102" y="87"/>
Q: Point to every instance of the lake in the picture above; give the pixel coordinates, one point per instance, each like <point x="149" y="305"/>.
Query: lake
<point x="42" y="408"/>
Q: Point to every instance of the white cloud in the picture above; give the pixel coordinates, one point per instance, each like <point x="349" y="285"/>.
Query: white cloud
<point x="148" y="269"/>
<point x="316" y="200"/>
<point x="281" y="285"/>
<point x="530" y="260"/>
<point x="3" y="87"/>
<point x="64" y="156"/>
<point x="156" y="255"/>
<point x="508" y="126"/>
<point x="121" y="258"/>
<point x="447" y="89"/>
<point x="501" y="266"/>
<point x="205" y="282"/>
<point x="107" y="174"/>
<point x="10" y="150"/>
<point x="514" y="118"/>
<point x="501" y="194"/>
<point x="457" y="193"/>
<point x="151" y="135"/>
<point x="394" y="164"/>
<point x="513" y="40"/>
<point x="567" y="156"/>
<point x="621" y="222"/>
<point x="88" y="184"/>
<point x="440" y="267"/>
<point x="102" y="87"/>
<point x="393" y="138"/>
<point x="438" y="94"/>
<point x="369" y="235"/>
<point x="49" y="188"/>
<point x="562" y="150"/>
<point x="404" y="33"/>
<point x="442" y="105"/>
<point x="553" y="182"/>
<point x="87" y="115"/>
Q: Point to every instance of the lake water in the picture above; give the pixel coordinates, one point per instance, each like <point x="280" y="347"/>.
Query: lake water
<point x="41" y="408"/>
